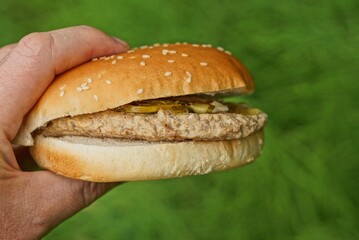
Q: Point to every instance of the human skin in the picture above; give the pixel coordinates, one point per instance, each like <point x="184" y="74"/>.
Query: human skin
<point x="32" y="203"/>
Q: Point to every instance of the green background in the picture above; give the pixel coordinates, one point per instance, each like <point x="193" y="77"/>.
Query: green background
<point x="304" y="59"/>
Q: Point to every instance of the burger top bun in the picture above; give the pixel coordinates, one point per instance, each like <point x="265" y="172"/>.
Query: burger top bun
<point x="147" y="73"/>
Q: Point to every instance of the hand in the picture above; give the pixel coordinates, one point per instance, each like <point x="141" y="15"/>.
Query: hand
<point x="33" y="203"/>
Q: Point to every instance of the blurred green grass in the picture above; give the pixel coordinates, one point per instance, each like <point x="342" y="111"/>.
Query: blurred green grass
<point x="304" y="59"/>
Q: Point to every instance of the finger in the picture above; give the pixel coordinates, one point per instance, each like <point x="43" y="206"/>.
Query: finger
<point x="7" y="159"/>
<point x="37" y="58"/>
<point x="59" y="198"/>
<point x="36" y="202"/>
<point x="4" y="51"/>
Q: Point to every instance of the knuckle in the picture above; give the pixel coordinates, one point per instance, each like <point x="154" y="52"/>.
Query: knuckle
<point x="90" y="193"/>
<point x="35" y="44"/>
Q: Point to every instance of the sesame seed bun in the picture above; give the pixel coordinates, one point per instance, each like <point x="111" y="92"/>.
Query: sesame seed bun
<point x="157" y="71"/>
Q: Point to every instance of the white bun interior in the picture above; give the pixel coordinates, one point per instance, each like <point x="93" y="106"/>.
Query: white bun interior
<point x="109" y="160"/>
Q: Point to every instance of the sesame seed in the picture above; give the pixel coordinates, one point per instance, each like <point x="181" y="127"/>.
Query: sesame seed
<point x="94" y="59"/>
<point x="95" y="97"/>
<point x="62" y="93"/>
<point x="184" y="55"/>
<point x="139" y="91"/>
<point x="220" y="49"/>
<point x="99" y="76"/>
<point x="89" y="80"/>
<point x="79" y="89"/>
<point x="108" y="81"/>
<point x="177" y="43"/>
<point x="84" y="86"/>
<point x="171" y="61"/>
<point x="209" y="45"/>
<point x="173" y="51"/>
<point x="63" y="87"/>
<point x="145" y="56"/>
<point x="144" y="47"/>
<point x="168" y="74"/>
<point x="185" y="43"/>
<point x="130" y="51"/>
<point x="204" y="45"/>
<point x="107" y="58"/>
<point x="102" y="58"/>
<point x="165" y="44"/>
<point x="195" y="45"/>
<point x="150" y="47"/>
<point x="113" y="56"/>
<point x="119" y="57"/>
<point x="114" y="62"/>
<point x="228" y="52"/>
<point x="165" y="51"/>
<point x="132" y="57"/>
<point x="142" y="63"/>
<point x="188" y="74"/>
<point x="203" y="63"/>
<point x="189" y="79"/>
<point x="156" y="45"/>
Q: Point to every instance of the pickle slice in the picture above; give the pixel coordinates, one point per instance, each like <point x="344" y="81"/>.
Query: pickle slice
<point x="244" y="109"/>
<point x="184" y="104"/>
<point x="140" y="109"/>
<point x="154" y="108"/>
<point x="201" y="107"/>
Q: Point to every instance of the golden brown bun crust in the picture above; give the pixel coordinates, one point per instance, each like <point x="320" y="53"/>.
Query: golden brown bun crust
<point x="110" y="161"/>
<point x="156" y="72"/>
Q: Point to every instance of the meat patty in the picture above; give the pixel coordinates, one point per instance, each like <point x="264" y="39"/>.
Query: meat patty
<point x="161" y="126"/>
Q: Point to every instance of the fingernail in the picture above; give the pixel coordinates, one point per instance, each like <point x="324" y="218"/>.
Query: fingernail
<point x="122" y="42"/>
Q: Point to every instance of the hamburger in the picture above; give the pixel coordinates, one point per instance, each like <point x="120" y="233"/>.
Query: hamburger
<point x="151" y="113"/>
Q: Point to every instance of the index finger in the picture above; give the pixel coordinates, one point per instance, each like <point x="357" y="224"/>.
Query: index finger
<point x="37" y="58"/>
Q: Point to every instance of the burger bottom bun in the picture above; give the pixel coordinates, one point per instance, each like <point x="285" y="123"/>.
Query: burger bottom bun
<point x="111" y="160"/>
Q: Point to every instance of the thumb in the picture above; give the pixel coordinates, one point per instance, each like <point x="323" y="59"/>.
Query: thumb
<point x="58" y="198"/>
